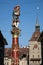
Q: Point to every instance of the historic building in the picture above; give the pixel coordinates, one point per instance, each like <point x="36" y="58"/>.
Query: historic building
<point x="31" y="55"/>
<point x="23" y="56"/>
<point x="41" y="40"/>
<point x="3" y="42"/>
<point x="35" y="47"/>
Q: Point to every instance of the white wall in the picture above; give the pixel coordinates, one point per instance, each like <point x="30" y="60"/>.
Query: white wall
<point x="23" y="61"/>
<point x="35" y="52"/>
<point x="7" y="61"/>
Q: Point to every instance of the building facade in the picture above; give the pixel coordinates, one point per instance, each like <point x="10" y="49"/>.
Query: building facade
<point x="35" y="47"/>
<point x="31" y="55"/>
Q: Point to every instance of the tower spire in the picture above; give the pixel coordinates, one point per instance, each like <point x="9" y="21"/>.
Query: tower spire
<point x="37" y="26"/>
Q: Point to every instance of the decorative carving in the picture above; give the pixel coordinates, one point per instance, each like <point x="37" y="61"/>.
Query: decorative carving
<point x="17" y="10"/>
<point x="35" y="46"/>
<point x="16" y="14"/>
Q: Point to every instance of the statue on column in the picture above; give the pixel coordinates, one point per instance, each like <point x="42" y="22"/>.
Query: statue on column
<point x="16" y="14"/>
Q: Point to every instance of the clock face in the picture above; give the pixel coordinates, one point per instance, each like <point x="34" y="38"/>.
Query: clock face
<point x="35" y="46"/>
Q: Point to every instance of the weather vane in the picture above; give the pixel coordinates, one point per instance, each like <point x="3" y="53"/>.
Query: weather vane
<point x="16" y="14"/>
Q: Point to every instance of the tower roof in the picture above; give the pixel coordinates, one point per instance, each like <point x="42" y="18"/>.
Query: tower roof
<point x="37" y="22"/>
<point x="37" y="26"/>
<point x="40" y="39"/>
<point x="36" y="34"/>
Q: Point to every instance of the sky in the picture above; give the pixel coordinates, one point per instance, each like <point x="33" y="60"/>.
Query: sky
<point x="29" y="10"/>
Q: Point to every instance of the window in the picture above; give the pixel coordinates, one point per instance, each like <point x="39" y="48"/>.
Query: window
<point x="38" y="48"/>
<point x="33" y="48"/>
<point x="33" y="56"/>
<point x="33" y="61"/>
<point x="7" y="63"/>
<point x="38" y="56"/>
<point x="38" y="61"/>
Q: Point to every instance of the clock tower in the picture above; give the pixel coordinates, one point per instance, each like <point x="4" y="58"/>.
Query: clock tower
<point x="35" y="47"/>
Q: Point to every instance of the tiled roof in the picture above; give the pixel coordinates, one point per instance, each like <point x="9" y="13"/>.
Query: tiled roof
<point x="2" y="39"/>
<point x="24" y="50"/>
<point x="41" y="37"/>
<point x="35" y="36"/>
<point x="7" y="52"/>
